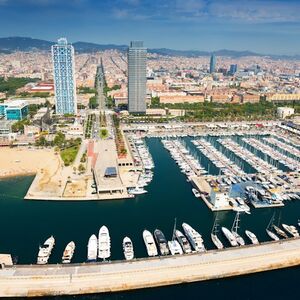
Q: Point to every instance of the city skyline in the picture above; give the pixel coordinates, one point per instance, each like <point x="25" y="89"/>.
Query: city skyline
<point x="260" y="26"/>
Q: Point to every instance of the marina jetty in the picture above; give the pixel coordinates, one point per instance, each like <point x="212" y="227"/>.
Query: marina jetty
<point x="88" y="278"/>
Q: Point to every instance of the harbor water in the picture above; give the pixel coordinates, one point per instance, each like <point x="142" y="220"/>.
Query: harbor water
<point x="24" y="225"/>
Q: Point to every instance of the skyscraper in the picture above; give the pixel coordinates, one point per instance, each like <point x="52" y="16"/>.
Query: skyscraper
<point x="233" y="69"/>
<point x="64" y="77"/>
<point x="212" y="65"/>
<point x="137" y="72"/>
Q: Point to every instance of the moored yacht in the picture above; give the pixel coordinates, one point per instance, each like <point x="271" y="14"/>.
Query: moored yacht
<point x="216" y="241"/>
<point x="272" y="235"/>
<point x="230" y="237"/>
<point x="45" y="251"/>
<point x="161" y="242"/>
<point x="238" y="238"/>
<point x="184" y="243"/>
<point x="291" y="230"/>
<point x="280" y="232"/>
<point x="68" y="253"/>
<point x="252" y="237"/>
<point x="128" y="248"/>
<point x="137" y="191"/>
<point x="149" y="243"/>
<point x="103" y="243"/>
<point x="196" y="193"/>
<point x="92" y="248"/>
<point x="174" y="247"/>
<point x="194" y="237"/>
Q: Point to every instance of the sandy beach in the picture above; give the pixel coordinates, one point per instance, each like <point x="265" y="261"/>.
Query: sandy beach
<point x="24" y="161"/>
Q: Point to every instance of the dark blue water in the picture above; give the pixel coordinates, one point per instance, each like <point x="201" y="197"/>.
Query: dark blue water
<point x="26" y="224"/>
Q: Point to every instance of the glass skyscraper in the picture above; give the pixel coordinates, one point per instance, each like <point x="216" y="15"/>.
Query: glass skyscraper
<point x="64" y="77"/>
<point x="137" y="77"/>
<point x="212" y="65"/>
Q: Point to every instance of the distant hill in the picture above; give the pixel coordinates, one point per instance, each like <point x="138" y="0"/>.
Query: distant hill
<point x="12" y="44"/>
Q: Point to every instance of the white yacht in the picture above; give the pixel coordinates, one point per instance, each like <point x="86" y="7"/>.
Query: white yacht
<point x="252" y="237"/>
<point x="216" y="241"/>
<point x="291" y="230"/>
<point x="103" y="243"/>
<point x="174" y="247"/>
<point x="194" y="237"/>
<point x="272" y="235"/>
<point x="230" y="237"/>
<point x="150" y="244"/>
<point x="196" y="193"/>
<point x="128" y="248"/>
<point x="92" y="248"/>
<point x="184" y="243"/>
<point x="68" y="253"/>
<point x="238" y="238"/>
<point x="137" y="191"/>
<point x="45" y="251"/>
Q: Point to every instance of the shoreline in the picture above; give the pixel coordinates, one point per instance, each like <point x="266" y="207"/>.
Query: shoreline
<point x="16" y="175"/>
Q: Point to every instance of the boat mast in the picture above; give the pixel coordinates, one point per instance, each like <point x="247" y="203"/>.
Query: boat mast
<point x="271" y="221"/>
<point x="235" y="225"/>
<point x="215" y="226"/>
<point x="174" y="229"/>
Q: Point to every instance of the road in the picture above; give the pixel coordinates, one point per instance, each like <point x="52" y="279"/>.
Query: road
<point x="119" y="276"/>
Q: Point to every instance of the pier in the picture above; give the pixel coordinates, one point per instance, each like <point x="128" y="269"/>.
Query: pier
<point x="75" y="279"/>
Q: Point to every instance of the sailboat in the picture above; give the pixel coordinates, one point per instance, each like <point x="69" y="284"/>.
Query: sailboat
<point x="174" y="246"/>
<point x="234" y="229"/>
<point x="214" y="236"/>
<point x="271" y="234"/>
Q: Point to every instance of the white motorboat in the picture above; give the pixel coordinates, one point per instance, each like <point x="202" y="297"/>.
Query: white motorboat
<point x="174" y="247"/>
<point x="272" y="235"/>
<point x="68" y="253"/>
<point x="292" y="230"/>
<point x="280" y="232"/>
<point x="216" y="241"/>
<point x="230" y="237"/>
<point x="194" y="237"/>
<point x="128" y="248"/>
<point x="238" y="238"/>
<point x="252" y="237"/>
<point x="196" y="193"/>
<point x="137" y="191"/>
<point x="45" y="251"/>
<point x="149" y="243"/>
<point x="184" y="243"/>
<point x="103" y="243"/>
<point x="92" y="248"/>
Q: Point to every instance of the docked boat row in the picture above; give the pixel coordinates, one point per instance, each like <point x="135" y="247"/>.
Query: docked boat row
<point x="289" y="162"/>
<point x="183" y="242"/>
<point x="257" y="163"/>
<point x="143" y="158"/>
<point x="222" y="162"/>
<point x="188" y="164"/>
<point x="284" y="146"/>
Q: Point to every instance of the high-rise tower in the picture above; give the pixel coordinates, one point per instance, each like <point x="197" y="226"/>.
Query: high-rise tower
<point x="212" y="65"/>
<point x="137" y="72"/>
<point x="64" y="77"/>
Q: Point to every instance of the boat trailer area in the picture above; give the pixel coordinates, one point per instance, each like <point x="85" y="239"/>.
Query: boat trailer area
<point x="88" y="278"/>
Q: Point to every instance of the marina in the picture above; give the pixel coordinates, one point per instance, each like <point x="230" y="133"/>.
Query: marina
<point x="181" y="204"/>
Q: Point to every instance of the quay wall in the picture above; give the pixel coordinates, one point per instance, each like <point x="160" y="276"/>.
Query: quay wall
<point x="76" y="279"/>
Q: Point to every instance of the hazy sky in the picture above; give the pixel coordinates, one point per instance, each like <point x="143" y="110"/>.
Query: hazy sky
<point x="266" y="26"/>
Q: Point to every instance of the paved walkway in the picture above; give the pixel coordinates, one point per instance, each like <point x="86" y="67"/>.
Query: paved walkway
<point x="119" y="276"/>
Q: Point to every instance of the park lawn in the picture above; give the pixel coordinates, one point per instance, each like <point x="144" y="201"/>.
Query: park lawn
<point x="103" y="133"/>
<point x="68" y="155"/>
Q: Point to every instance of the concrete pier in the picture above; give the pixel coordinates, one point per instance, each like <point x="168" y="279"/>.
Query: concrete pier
<point x="49" y="280"/>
